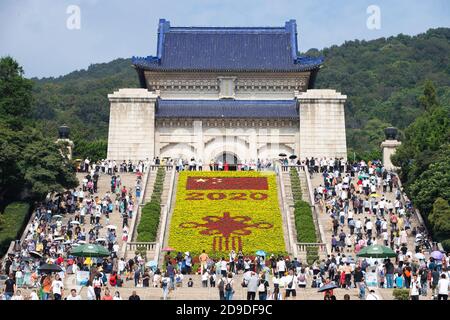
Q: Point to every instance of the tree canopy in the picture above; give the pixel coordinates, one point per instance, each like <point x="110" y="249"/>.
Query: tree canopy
<point x="30" y="163"/>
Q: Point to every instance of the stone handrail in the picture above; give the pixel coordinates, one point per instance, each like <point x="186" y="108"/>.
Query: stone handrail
<point x="302" y="246"/>
<point x="314" y="210"/>
<point x="149" y="246"/>
<point x="287" y="213"/>
<point x="136" y="213"/>
<point x="165" y="210"/>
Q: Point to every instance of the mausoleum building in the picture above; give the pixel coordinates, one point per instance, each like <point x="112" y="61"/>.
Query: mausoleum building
<point x="229" y="94"/>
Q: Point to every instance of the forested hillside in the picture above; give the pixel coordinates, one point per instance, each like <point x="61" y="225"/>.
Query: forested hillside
<point x="383" y="80"/>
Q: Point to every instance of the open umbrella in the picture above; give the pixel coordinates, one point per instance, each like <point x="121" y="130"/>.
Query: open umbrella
<point x="151" y="264"/>
<point x="90" y="250"/>
<point x="36" y="254"/>
<point x="377" y="251"/>
<point x="375" y="195"/>
<point x="282" y="155"/>
<point x="261" y="253"/>
<point x="420" y="256"/>
<point x="49" y="268"/>
<point x="437" y="255"/>
<point x="168" y="249"/>
<point x="292" y="157"/>
<point x="326" y="287"/>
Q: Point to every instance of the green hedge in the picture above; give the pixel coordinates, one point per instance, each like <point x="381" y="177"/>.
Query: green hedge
<point x="150" y="214"/>
<point x="304" y="223"/>
<point x="12" y="223"/>
<point x="295" y="185"/>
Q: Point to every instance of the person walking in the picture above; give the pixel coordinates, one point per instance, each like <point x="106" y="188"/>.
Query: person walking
<point x="263" y="286"/>
<point x="415" y="287"/>
<point x="442" y="286"/>
<point x="165" y="285"/>
<point x="229" y="290"/>
<point x="252" y="286"/>
<point x="221" y="287"/>
<point x="203" y="258"/>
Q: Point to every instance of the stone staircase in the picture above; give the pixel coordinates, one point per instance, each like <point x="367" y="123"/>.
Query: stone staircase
<point x="289" y="202"/>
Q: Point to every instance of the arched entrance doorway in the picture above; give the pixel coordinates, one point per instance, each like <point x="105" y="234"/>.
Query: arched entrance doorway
<point x="229" y="160"/>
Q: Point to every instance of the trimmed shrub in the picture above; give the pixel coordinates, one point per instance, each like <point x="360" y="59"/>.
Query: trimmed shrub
<point x="304" y="223"/>
<point x="401" y="294"/>
<point x="12" y="223"/>
<point x="151" y="212"/>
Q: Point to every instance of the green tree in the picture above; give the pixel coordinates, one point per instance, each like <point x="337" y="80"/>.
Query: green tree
<point x="29" y="163"/>
<point x="15" y="93"/>
<point x="440" y="219"/>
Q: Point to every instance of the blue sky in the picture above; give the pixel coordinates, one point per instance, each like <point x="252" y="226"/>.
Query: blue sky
<point x="34" y="31"/>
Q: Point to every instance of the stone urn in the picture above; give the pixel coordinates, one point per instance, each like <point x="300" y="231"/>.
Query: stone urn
<point x="391" y="133"/>
<point x="64" y="132"/>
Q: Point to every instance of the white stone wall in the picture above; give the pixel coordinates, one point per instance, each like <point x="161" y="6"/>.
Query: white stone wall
<point x="206" y="139"/>
<point x="131" y="125"/>
<point x="322" y="124"/>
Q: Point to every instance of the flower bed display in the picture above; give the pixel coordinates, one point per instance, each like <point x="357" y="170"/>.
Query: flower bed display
<point x="221" y="211"/>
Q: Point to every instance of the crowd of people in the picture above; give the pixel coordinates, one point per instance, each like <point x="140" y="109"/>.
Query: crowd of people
<point x="362" y="200"/>
<point x="49" y="240"/>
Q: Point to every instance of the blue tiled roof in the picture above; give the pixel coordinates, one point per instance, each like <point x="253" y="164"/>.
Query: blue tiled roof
<point x="227" y="49"/>
<point x="258" y="109"/>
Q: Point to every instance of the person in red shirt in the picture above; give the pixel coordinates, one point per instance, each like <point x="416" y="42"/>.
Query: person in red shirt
<point x="107" y="295"/>
<point x="113" y="279"/>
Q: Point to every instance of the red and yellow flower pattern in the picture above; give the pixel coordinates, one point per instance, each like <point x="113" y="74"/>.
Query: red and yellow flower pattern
<point x="225" y="210"/>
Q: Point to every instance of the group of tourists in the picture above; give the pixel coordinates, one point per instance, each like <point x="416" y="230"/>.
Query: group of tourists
<point x="48" y="240"/>
<point x="366" y="207"/>
<point x="363" y="201"/>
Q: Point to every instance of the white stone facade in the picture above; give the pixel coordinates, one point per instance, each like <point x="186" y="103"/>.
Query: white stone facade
<point x="322" y="124"/>
<point x="131" y="125"/>
<point x="135" y="134"/>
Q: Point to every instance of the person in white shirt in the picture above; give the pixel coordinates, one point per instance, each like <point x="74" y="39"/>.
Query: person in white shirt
<point x="90" y="292"/>
<point x="73" y="295"/>
<point x="281" y="267"/>
<point x="117" y="296"/>
<point x="291" y="284"/>
<point x="415" y="287"/>
<point x="372" y="296"/>
<point x="57" y="287"/>
<point x="34" y="296"/>
<point x="17" y="296"/>
<point x="443" y="285"/>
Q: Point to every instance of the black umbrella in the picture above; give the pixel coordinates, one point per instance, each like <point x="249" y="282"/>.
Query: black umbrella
<point x="327" y="287"/>
<point x="292" y="157"/>
<point x="36" y="254"/>
<point x="50" y="268"/>
<point x="282" y="155"/>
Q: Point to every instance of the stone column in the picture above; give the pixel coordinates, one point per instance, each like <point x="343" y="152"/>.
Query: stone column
<point x="198" y="140"/>
<point x="132" y="125"/>
<point x="389" y="146"/>
<point x="322" y="124"/>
